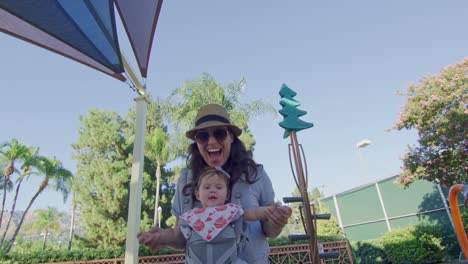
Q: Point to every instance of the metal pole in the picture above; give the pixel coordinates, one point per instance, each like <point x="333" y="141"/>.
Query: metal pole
<point x="314" y="256"/>
<point x="444" y="200"/>
<point x="338" y="215"/>
<point x="134" y="205"/>
<point x="383" y="207"/>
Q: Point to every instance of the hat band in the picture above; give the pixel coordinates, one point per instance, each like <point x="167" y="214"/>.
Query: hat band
<point x="212" y="118"/>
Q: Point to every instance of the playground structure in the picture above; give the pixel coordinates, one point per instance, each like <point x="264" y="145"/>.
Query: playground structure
<point x="457" y="220"/>
<point x="88" y="34"/>
<point x="293" y="124"/>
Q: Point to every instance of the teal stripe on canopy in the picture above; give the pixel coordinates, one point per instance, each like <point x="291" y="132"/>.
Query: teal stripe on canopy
<point x="86" y="25"/>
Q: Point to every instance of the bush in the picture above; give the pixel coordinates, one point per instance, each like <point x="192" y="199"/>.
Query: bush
<point x="412" y="245"/>
<point x="447" y="235"/>
<point x="329" y="227"/>
<point x="49" y="256"/>
<point x="144" y="251"/>
<point x="284" y="241"/>
<point x="369" y="252"/>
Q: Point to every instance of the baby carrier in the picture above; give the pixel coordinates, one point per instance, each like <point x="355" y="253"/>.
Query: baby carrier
<point x="226" y="246"/>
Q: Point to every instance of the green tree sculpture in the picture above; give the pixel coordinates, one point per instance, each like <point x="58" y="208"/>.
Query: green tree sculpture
<point x="291" y="113"/>
<point x="292" y="124"/>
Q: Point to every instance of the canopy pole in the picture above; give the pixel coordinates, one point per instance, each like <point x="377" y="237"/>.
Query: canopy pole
<point x="134" y="203"/>
<point x="131" y="74"/>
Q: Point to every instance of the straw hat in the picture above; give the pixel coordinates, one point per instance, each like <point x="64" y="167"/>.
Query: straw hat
<point x="212" y="115"/>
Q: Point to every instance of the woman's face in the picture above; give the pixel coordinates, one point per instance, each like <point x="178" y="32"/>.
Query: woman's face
<point x="214" y="144"/>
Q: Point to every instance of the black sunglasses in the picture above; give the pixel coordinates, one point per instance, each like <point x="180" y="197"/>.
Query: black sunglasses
<point x="202" y="137"/>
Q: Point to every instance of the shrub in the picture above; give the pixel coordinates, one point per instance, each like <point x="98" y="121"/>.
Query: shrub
<point x="50" y="256"/>
<point x="144" y="251"/>
<point x="369" y="252"/>
<point x="412" y="245"/>
<point x="283" y="240"/>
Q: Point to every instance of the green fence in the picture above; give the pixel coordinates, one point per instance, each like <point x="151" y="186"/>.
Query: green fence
<point x="371" y="210"/>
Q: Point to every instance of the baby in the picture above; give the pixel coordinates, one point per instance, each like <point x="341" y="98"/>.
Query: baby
<point x="210" y="231"/>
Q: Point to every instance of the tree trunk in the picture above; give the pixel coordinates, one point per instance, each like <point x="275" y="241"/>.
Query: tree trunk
<point x="72" y="222"/>
<point x="156" y="199"/>
<point x="3" y="201"/>
<point x="10" y="244"/>
<point x="45" y="239"/>
<point x="7" y="173"/>
<point x="18" y="185"/>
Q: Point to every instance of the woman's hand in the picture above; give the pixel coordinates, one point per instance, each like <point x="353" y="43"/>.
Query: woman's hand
<point x="277" y="218"/>
<point x="153" y="238"/>
<point x="157" y="238"/>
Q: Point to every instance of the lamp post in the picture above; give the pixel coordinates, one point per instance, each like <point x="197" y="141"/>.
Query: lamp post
<point x="360" y="145"/>
<point x="159" y="216"/>
<point x="44" y="239"/>
<point x="363" y="143"/>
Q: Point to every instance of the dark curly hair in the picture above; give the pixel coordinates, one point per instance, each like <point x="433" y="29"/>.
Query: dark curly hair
<point x="239" y="162"/>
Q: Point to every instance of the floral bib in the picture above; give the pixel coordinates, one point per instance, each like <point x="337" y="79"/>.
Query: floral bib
<point x="208" y="222"/>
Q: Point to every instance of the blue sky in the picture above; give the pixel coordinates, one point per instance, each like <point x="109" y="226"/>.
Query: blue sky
<point x="345" y="59"/>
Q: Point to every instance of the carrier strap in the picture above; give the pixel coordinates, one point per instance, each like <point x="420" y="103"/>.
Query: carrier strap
<point x="187" y="198"/>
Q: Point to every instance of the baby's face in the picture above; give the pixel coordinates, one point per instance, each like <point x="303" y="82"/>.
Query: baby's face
<point x="212" y="190"/>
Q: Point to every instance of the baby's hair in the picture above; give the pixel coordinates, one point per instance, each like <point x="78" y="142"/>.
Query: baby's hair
<point x="217" y="170"/>
<point x="193" y="187"/>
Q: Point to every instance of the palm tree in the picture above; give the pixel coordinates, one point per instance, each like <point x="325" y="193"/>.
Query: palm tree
<point x="31" y="160"/>
<point x="10" y="152"/>
<point x="2" y="181"/>
<point x="48" y="220"/>
<point x="157" y="146"/>
<point x="73" y="187"/>
<point x="55" y="175"/>
<point x="184" y="102"/>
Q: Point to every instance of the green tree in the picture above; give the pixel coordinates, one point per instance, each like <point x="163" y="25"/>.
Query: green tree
<point x="159" y="145"/>
<point x="10" y="152"/>
<point x="324" y="227"/>
<point x="437" y="108"/>
<point x="74" y="187"/>
<point x="9" y="185"/>
<point x="104" y="155"/>
<point x="157" y="150"/>
<point x="314" y="197"/>
<point x="184" y="102"/>
<point x="297" y="207"/>
<point x="54" y="176"/>
<point x="47" y="220"/>
<point x="31" y="160"/>
<point x="328" y="227"/>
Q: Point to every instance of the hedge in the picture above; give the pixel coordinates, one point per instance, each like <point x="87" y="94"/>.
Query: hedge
<point x="417" y="244"/>
<point x="94" y="254"/>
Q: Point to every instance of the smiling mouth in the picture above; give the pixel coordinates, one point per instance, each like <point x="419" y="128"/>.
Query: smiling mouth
<point x="214" y="152"/>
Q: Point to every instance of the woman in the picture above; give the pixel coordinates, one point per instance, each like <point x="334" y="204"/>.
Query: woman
<point x="217" y="145"/>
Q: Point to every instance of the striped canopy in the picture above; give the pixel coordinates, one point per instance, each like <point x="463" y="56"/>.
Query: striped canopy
<point x="84" y="30"/>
